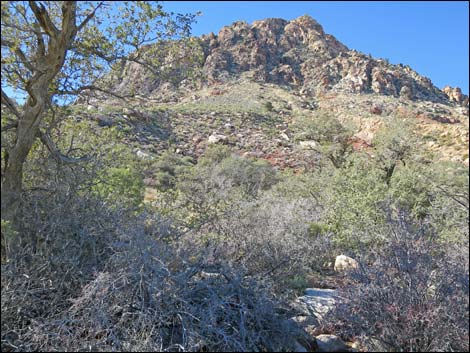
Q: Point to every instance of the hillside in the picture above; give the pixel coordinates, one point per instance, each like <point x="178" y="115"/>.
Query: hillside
<point x="254" y="81"/>
<point x="269" y="189"/>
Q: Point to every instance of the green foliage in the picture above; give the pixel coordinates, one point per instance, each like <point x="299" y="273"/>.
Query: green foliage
<point x="96" y="48"/>
<point x="322" y="128"/>
<point x="449" y="212"/>
<point x="354" y="198"/>
<point x="332" y="136"/>
<point x="395" y="143"/>
<point x="214" y="154"/>
<point x="168" y="168"/>
<point x="316" y="229"/>
<point x="120" y="186"/>
<point x="411" y="190"/>
<point x="251" y="176"/>
<point x="268" y="106"/>
<point x="298" y="283"/>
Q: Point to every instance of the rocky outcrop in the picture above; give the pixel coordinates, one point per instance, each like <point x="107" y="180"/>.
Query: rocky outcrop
<point x="296" y="53"/>
<point x="456" y="95"/>
<point x="300" y="53"/>
<point x="317" y="302"/>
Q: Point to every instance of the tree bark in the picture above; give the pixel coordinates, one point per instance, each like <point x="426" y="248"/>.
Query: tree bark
<point x="12" y="182"/>
<point x="46" y="68"/>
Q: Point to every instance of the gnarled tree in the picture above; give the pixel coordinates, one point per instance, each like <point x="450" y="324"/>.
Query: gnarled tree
<point x="53" y="51"/>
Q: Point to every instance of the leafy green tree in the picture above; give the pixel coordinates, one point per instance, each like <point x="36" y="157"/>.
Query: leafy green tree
<point x="54" y="51"/>
<point x="395" y="144"/>
<point x="332" y="136"/>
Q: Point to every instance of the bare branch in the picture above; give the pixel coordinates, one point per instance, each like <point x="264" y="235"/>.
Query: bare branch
<point x="56" y="154"/>
<point x="44" y="20"/>
<point x="454" y="197"/>
<point x="89" y="17"/>
<point x="93" y="88"/>
<point x="10" y="126"/>
<point x="10" y="105"/>
<point x="19" y="53"/>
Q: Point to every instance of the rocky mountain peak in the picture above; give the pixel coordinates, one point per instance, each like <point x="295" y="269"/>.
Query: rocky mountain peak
<point x="298" y="53"/>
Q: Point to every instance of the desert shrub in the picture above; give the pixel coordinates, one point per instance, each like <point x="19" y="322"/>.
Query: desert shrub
<point x="353" y="199"/>
<point x="323" y="128"/>
<point x="8" y="235"/>
<point x="450" y="208"/>
<point x="246" y="214"/>
<point x="214" y="154"/>
<point x="269" y="106"/>
<point x="120" y="185"/>
<point x="52" y="258"/>
<point x="215" y="185"/>
<point x="251" y="176"/>
<point x="267" y="235"/>
<point x="411" y="189"/>
<point x="316" y="229"/>
<point x="66" y="225"/>
<point x="167" y="169"/>
<point x="147" y="299"/>
<point x="411" y="295"/>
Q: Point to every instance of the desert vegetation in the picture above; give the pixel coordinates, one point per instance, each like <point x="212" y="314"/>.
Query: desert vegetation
<point x="105" y="247"/>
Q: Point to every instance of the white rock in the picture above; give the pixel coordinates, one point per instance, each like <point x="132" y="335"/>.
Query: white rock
<point x="330" y="343"/>
<point x="216" y="138"/>
<point x="143" y="155"/>
<point x="284" y="136"/>
<point x="345" y="263"/>
<point x="308" y="145"/>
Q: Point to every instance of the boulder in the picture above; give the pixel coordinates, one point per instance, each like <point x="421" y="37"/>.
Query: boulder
<point x="317" y="302"/>
<point x="303" y="341"/>
<point x="143" y="155"/>
<point x="455" y="95"/>
<point x="308" y="145"/>
<point x="305" y="321"/>
<point x="345" y="263"/>
<point x="214" y="138"/>
<point x="330" y="343"/>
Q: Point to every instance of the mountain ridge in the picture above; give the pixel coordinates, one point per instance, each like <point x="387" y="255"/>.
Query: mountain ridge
<point x="297" y="53"/>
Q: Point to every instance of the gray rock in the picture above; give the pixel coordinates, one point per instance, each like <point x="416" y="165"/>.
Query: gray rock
<point x="304" y="321"/>
<point x="299" y="348"/>
<point x="318" y="302"/>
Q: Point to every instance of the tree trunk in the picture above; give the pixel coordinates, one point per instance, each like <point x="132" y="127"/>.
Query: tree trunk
<point x="46" y="67"/>
<point x="26" y="132"/>
<point x="13" y="174"/>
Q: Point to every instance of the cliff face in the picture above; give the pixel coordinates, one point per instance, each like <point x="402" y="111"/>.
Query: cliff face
<point x="300" y="54"/>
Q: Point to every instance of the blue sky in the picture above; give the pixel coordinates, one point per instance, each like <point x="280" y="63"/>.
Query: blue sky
<point x="431" y="37"/>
